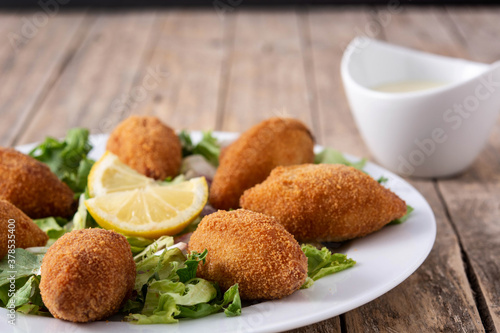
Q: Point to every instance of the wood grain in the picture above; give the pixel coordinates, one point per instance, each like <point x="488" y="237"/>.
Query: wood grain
<point x="101" y="71"/>
<point x="230" y="72"/>
<point x="192" y="57"/>
<point x="266" y="74"/>
<point x="330" y="32"/>
<point x="30" y="65"/>
<point x="267" y="78"/>
<point x="437" y="297"/>
<point x="472" y="198"/>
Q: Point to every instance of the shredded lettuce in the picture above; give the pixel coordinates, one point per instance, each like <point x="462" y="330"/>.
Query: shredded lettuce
<point x="67" y="158"/>
<point x="151" y="248"/>
<point x="382" y="180"/>
<point x="208" y="147"/>
<point x="172" y="181"/>
<point x="82" y="219"/>
<point x="26" y="297"/>
<point x="168" y="289"/>
<point x="53" y="226"/>
<point x="321" y="263"/>
<point x="332" y="156"/>
<point x="405" y="217"/>
<point x="138" y="244"/>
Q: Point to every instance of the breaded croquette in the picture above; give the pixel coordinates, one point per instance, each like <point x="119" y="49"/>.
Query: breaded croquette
<point x="32" y="187"/>
<point x="250" y="249"/>
<point x="148" y="146"/>
<point x="250" y="159"/>
<point x="324" y="202"/>
<point x="87" y="275"/>
<point x="26" y="232"/>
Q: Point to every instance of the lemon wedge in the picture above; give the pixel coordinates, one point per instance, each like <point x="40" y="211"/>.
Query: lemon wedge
<point x="110" y="175"/>
<point x="135" y="205"/>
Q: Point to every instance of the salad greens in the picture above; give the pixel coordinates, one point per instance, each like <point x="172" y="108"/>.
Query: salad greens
<point x="168" y="289"/>
<point x="27" y="297"/>
<point x="67" y="158"/>
<point x="55" y="227"/>
<point x="208" y="147"/>
<point x="382" y="180"/>
<point x="321" y="263"/>
<point x="405" y="217"/>
<point x="332" y="156"/>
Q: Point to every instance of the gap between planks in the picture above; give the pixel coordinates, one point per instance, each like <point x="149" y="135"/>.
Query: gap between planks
<point x="477" y="293"/>
<point x="225" y="72"/>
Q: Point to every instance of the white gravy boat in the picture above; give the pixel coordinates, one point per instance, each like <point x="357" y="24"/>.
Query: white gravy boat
<point x="429" y="133"/>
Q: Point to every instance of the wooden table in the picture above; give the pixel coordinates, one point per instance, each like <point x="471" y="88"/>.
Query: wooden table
<point x="202" y="69"/>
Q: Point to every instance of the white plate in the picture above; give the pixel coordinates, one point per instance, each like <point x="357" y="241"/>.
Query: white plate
<point x="384" y="260"/>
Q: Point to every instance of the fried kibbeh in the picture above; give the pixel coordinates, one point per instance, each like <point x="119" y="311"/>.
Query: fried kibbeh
<point x="148" y="146"/>
<point x="87" y="275"/>
<point x="324" y="202"/>
<point x="27" y="233"/>
<point x="249" y="160"/>
<point x="32" y="187"/>
<point x="250" y="249"/>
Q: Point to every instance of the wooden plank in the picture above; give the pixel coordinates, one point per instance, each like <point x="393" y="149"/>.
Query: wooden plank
<point x="266" y="79"/>
<point x="266" y="76"/>
<point x="330" y="33"/>
<point x="478" y="28"/>
<point x="192" y="56"/>
<point x="414" y="303"/>
<point x="430" y="30"/>
<point x="325" y="34"/>
<point x="436" y="298"/>
<point x="29" y="68"/>
<point x="101" y="71"/>
<point x="9" y="24"/>
<point x="472" y="198"/>
<point x="331" y="325"/>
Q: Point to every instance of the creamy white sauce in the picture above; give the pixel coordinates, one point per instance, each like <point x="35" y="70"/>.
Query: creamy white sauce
<point x="408" y="86"/>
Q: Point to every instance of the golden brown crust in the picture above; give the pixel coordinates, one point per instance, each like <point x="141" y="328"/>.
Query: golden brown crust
<point x="30" y="186"/>
<point x="250" y="159"/>
<point x="250" y="249"/>
<point x="87" y="274"/>
<point x="148" y="146"/>
<point x="324" y="202"/>
<point x="26" y="232"/>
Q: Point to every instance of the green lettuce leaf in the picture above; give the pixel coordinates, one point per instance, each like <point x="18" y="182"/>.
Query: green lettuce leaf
<point x="53" y="226"/>
<point x="230" y="303"/>
<point x="67" y="158"/>
<point x="188" y="272"/>
<point x="82" y="219"/>
<point x="26" y="264"/>
<point x="168" y="289"/>
<point x="332" y="156"/>
<point x="29" y="293"/>
<point x="138" y="244"/>
<point x="208" y="147"/>
<point x="148" y="250"/>
<point x="26" y="296"/>
<point x="382" y="180"/>
<point x="163" y="313"/>
<point x="321" y="263"/>
<point x="405" y="217"/>
<point x="158" y="267"/>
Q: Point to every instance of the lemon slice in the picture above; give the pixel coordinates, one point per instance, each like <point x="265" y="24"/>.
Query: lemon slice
<point x="125" y="201"/>
<point x="110" y="175"/>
